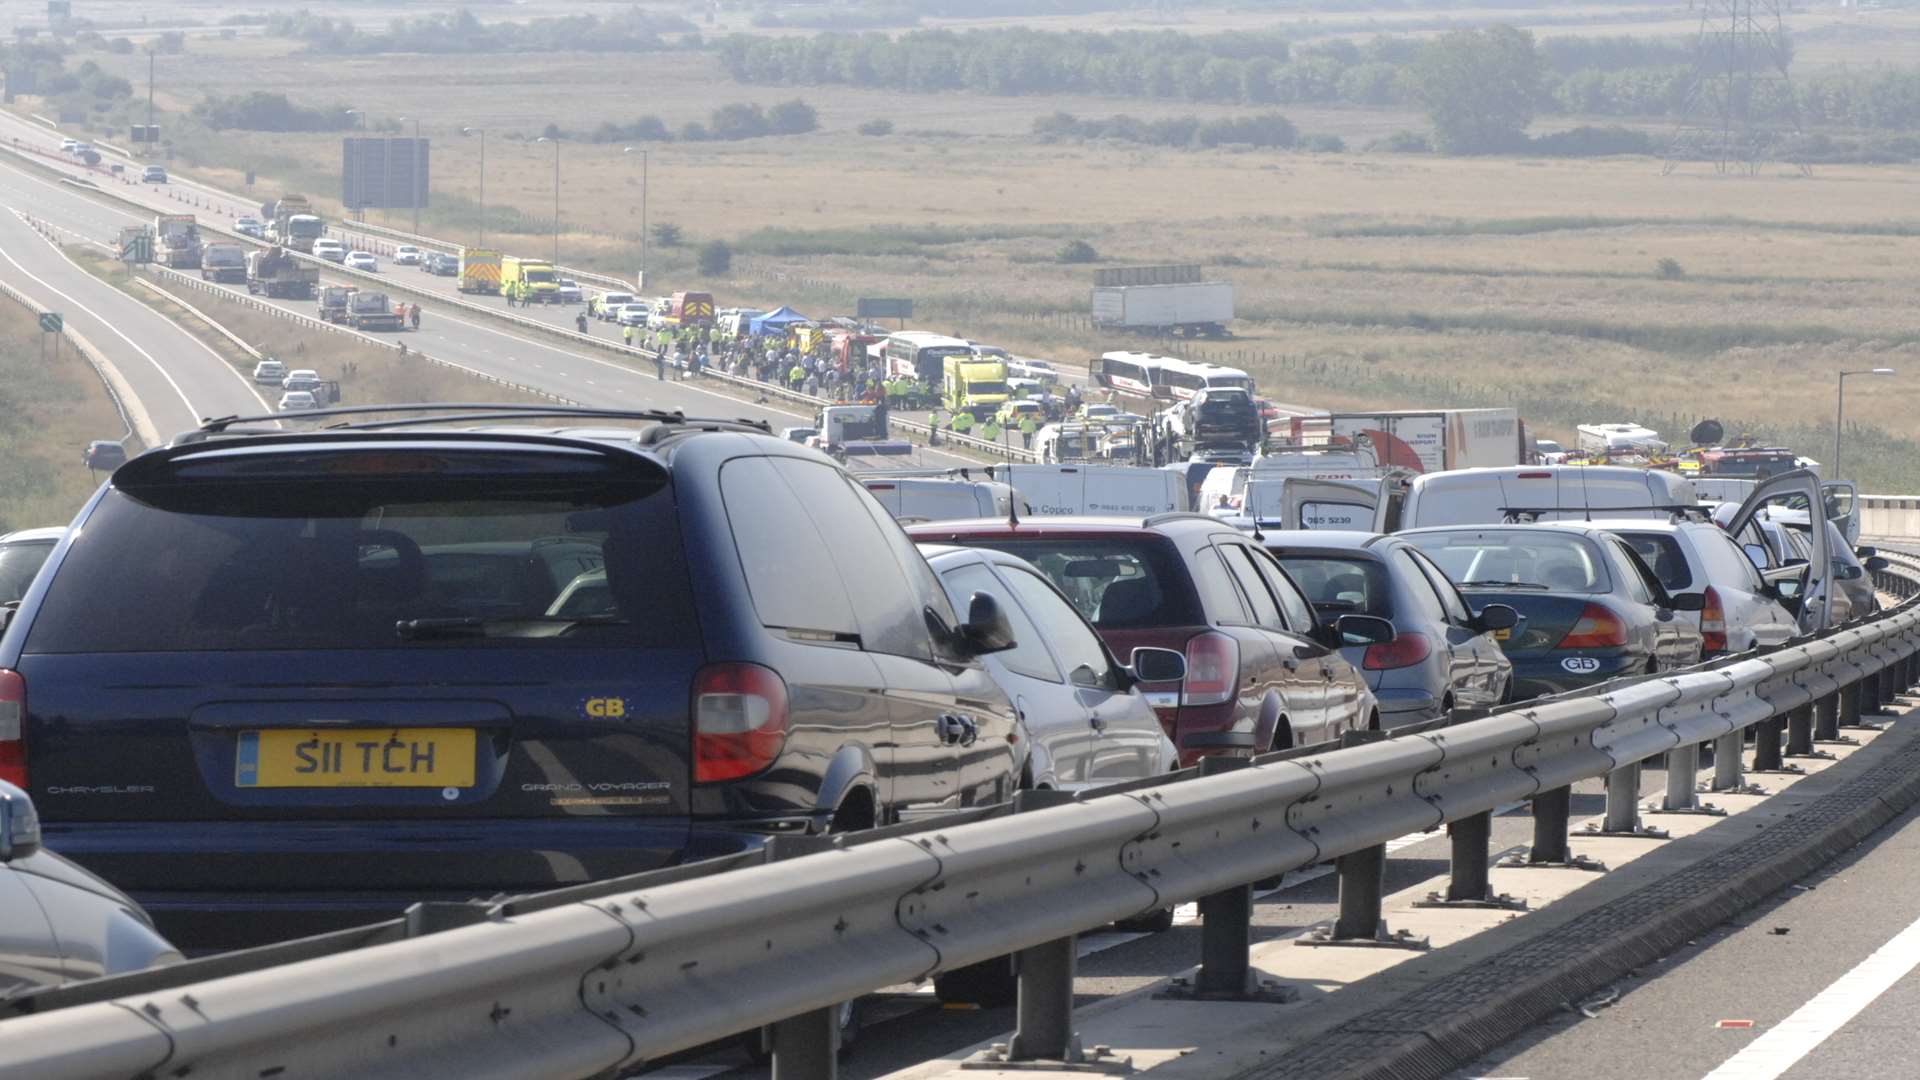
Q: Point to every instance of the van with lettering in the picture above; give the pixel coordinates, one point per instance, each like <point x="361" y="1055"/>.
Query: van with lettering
<point x="357" y="665"/>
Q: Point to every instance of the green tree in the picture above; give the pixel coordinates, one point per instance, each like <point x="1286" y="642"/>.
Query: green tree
<point x="1479" y="88"/>
<point x="666" y="234"/>
<point x="1076" y="251"/>
<point x="794" y="117"/>
<point x="715" y="258"/>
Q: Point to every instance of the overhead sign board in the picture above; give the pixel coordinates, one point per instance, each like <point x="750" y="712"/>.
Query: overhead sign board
<point x="384" y="173"/>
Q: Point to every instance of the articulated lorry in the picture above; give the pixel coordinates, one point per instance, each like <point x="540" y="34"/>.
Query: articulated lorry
<point x="974" y="385"/>
<point x="1426" y="440"/>
<point x="280" y="275"/>
<point x="224" y="262"/>
<point x="1162" y="300"/>
<point x="176" y="241"/>
<point x="480" y="271"/>
<point x="292" y="224"/>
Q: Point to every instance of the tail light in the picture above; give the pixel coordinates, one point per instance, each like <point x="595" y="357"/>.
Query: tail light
<point x="1713" y="625"/>
<point x="1405" y="650"/>
<point x="1596" y="628"/>
<point x="1213" y="670"/>
<point x="13" y="728"/>
<point x="739" y="721"/>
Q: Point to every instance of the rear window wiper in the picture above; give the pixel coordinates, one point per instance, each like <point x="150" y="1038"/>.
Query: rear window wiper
<point x="1505" y="585"/>
<point x="532" y="626"/>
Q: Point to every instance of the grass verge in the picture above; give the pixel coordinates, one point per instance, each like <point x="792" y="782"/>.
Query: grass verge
<point x="49" y="410"/>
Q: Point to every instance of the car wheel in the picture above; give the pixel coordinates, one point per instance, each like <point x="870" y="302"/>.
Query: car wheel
<point x="1155" y="922"/>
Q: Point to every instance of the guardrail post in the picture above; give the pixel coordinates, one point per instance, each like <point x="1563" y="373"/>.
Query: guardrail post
<point x="1826" y="718"/>
<point x="1623" y="806"/>
<point x="1363" y="877"/>
<point x="1853" y="706"/>
<point x="807" y="1047"/>
<point x="1468" y="884"/>
<point x="1552" y="810"/>
<point x="1043" y="1029"/>
<point x="1728" y="770"/>
<point x="1800" y="734"/>
<point x="1683" y="767"/>
<point x="1226" y="936"/>
<point x="1889" y="692"/>
<point x="1766" y="746"/>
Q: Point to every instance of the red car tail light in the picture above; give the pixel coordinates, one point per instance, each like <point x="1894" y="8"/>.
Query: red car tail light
<point x="1405" y="650"/>
<point x="739" y="721"/>
<point x="1213" y="670"/>
<point x="1713" y="624"/>
<point x="13" y="728"/>
<point x="1596" y="628"/>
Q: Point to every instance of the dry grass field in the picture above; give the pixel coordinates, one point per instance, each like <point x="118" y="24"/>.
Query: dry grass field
<point x="49" y="411"/>
<point x="1362" y="278"/>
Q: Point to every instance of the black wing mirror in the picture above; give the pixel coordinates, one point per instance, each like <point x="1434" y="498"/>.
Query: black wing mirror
<point x="986" y="629"/>
<point x="1687" y="601"/>
<point x="1874" y="564"/>
<point x="1157" y="665"/>
<point x="1497" y="617"/>
<point x="1865" y="552"/>
<point x="1363" y="630"/>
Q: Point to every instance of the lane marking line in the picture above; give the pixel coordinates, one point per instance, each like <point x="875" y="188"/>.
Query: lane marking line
<point x="1773" y="1053"/>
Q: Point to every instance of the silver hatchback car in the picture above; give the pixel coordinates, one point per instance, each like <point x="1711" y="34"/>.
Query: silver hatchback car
<point x="59" y="923"/>
<point x="1442" y="656"/>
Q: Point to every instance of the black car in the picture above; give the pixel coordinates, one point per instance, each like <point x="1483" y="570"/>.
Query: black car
<point x="1589" y="609"/>
<point x="440" y="263"/>
<point x="294" y="680"/>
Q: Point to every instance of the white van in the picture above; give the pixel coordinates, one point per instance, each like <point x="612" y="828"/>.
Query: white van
<point x="1097" y="490"/>
<point x="1548" y="492"/>
<point x="735" y="321"/>
<point x="940" y="498"/>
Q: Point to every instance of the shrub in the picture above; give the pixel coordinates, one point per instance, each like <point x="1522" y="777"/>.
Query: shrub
<point x="1669" y="269"/>
<point x="1402" y="142"/>
<point x="1076" y="251"/>
<point x="1323" y="144"/>
<point x="715" y="258"/>
<point x="794" y="117"/>
<point x="666" y="234"/>
<point x="876" y="127"/>
<point x="1593" y="142"/>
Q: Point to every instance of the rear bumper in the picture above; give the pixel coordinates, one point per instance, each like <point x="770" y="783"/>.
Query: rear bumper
<point x="225" y="885"/>
<point x="1408" y="706"/>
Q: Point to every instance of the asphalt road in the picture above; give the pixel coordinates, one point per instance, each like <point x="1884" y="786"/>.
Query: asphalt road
<point x="176" y="377"/>
<point x="1740" y="1004"/>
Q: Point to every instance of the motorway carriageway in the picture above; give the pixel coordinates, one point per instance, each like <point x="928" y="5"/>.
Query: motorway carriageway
<point x="592" y="379"/>
<point x="176" y="377"/>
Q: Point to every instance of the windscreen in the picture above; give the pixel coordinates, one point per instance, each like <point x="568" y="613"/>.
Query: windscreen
<point x="1528" y="558"/>
<point x="346" y="561"/>
<point x="1117" y="584"/>
<point x="1341" y="586"/>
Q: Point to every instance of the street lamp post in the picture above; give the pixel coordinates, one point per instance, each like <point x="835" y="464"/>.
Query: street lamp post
<point x="643" y="212"/>
<point x="482" y="132"/>
<point x="556" y="196"/>
<point x="1840" y="410"/>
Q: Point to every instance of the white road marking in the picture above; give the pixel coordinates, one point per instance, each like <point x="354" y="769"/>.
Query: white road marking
<point x="1773" y="1053"/>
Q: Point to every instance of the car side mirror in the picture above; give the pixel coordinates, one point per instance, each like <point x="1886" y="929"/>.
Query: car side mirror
<point x="1847" y="571"/>
<point x="1756" y="554"/>
<point x="1687" y="601"/>
<point x="986" y="629"/>
<point x="19" y="824"/>
<point x="1866" y="552"/>
<point x="1363" y="630"/>
<point x="1157" y="665"/>
<point x="6" y="617"/>
<point x="1497" y="617"/>
<point x="1874" y="564"/>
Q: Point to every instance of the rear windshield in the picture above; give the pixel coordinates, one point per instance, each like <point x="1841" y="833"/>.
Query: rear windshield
<point x="1527" y="557"/>
<point x="1118" y="584"/>
<point x="1341" y="586"/>
<point x="1663" y="556"/>
<point x="347" y="563"/>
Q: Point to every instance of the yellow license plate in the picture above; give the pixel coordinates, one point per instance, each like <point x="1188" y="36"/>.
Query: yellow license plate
<point x="355" y="758"/>
<point x="1502" y="635"/>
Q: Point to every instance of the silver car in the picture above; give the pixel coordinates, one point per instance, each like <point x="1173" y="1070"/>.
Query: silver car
<point x="1085" y="721"/>
<point x="1442" y="656"/>
<point x="21" y="554"/>
<point x="59" y="923"/>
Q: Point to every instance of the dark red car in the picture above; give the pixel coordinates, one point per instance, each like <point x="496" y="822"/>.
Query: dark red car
<point x="1263" y="673"/>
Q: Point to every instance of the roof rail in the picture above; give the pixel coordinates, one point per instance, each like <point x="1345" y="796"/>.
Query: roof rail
<point x="463" y="412"/>
<point x="958" y="471"/>
<point x="1175" y="515"/>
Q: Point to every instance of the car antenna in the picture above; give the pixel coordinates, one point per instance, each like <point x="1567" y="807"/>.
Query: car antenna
<point x="1586" y="497"/>
<point x="1258" y="536"/>
<point x="1013" y="507"/>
